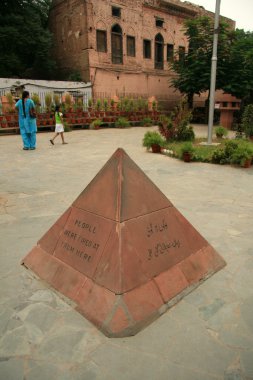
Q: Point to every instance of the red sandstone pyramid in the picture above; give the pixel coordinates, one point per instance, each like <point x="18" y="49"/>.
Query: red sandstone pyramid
<point x="122" y="252"/>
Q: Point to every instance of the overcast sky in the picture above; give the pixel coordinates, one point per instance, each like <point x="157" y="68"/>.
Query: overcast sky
<point x="241" y="11"/>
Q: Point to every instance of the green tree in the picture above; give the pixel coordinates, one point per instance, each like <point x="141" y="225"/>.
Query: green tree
<point x="193" y="72"/>
<point x="25" y="41"/>
<point x="240" y="70"/>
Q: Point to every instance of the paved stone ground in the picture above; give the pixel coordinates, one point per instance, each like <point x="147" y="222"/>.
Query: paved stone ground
<point x="208" y="335"/>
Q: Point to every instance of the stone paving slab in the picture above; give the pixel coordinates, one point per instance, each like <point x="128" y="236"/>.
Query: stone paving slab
<point x="207" y="335"/>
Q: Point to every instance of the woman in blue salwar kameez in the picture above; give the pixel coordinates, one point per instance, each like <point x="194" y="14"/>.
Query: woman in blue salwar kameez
<point x="27" y="124"/>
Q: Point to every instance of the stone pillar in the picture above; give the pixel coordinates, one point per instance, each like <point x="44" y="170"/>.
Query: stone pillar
<point x="226" y="118"/>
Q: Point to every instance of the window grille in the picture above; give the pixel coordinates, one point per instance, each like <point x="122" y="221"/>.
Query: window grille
<point x="131" y="46"/>
<point x="146" y="48"/>
<point x="101" y="41"/>
<point x="116" y="12"/>
<point x="170" y="52"/>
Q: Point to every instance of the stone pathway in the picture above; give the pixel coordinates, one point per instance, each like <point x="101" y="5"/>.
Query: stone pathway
<point x="208" y="335"/>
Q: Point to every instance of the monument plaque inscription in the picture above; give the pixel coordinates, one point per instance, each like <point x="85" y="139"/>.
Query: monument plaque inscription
<point x="157" y="243"/>
<point x="82" y="240"/>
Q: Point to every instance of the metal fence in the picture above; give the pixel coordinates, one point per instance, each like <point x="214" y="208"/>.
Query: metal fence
<point x="79" y="98"/>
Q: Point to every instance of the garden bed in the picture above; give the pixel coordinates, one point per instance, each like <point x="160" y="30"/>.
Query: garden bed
<point x="235" y="151"/>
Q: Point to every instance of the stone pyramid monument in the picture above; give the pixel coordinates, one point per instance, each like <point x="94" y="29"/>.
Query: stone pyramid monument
<point x="122" y="252"/>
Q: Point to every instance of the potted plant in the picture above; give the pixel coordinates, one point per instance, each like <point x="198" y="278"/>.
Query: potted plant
<point x="48" y="101"/>
<point x="98" y="106"/>
<point x="187" y="151"/>
<point x="146" y="122"/>
<point x="90" y="103"/>
<point x="11" y="101"/>
<point x="79" y="106"/>
<point x="153" y="140"/>
<point x="220" y="132"/>
<point x="122" y="122"/>
<point x="57" y="99"/>
<point x="106" y="105"/>
<point x="112" y="101"/>
<point x="154" y="106"/>
<point x="68" y="102"/>
<point x="36" y="100"/>
<point x="242" y="155"/>
<point x="96" y="124"/>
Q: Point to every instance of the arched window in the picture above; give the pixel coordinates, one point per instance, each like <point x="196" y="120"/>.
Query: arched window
<point x="159" y="51"/>
<point x="117" y="50"/>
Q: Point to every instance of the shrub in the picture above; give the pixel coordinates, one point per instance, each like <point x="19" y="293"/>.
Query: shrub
<point x="90" y="102"/>
<point x="79" y="104"/>
<point x="68" y="101"/>
<point x="141" y="104"/>
<point x="185" y="133"/>
<point x="223" y="155"/>
<point x="234" y="151"/>
<point x="125" y="104"/>
<point x="176" y="127"/>
<point x="154" y="105"/>
<point x="98" y="105"/>
<point x="221" y="131"/>
<point x="242" y="153"/>
<point x="181" y="117"/>
<point x="112" y="101"/>
<point x="187" y="147"/>
<point x="106" y="105"/>
<point x="165" y="127"/>
<point x="10" y="101"/>
<point x="131" y="105"/>
<point x="122" y="122"/>
<point x="247" y="120"/>
<point x="95" y="124"/>
<point x="48" y="101"/>
<point x="146" y="121"/>
<point x="230" y="147"/>
<point x="36" y="100"/>
<point x="152" y="138"/>
<point x="57" y="100"/>
<point x="219" y="156"/>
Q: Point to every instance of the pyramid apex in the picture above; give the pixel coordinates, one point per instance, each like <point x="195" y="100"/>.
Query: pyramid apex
<point x="121" y="191"/>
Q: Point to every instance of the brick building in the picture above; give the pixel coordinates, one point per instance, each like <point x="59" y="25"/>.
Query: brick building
<point x="122" y="46"/>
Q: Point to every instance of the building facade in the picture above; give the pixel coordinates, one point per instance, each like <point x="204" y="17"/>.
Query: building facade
<point x="122" y="47"/>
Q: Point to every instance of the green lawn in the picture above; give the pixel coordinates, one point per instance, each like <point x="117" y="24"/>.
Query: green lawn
<point x="202" y="153"/>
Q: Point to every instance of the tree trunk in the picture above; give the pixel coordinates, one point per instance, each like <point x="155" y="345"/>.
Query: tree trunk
<point x="190" y="100"/>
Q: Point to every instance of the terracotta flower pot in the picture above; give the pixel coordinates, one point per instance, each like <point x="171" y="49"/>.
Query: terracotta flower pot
<point x="156" y="148"/>
<point x="187" y="157"/>
<point x="247" y="163"/>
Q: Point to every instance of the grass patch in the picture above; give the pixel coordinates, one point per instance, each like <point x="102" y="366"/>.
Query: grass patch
<point x="202" y="153"/>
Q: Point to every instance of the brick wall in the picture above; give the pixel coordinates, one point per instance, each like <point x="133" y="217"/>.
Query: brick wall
<point x="75" y="22"/>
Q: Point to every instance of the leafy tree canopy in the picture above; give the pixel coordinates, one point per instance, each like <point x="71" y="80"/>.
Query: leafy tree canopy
<point x="25" y="40"/>
<point x="234" y="65"/>
<point x="240" y="71"/>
